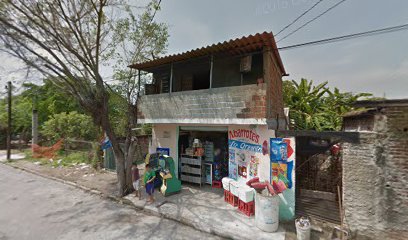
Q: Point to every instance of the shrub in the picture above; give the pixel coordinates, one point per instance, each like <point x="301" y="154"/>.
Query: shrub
<point x="69" y="125"/>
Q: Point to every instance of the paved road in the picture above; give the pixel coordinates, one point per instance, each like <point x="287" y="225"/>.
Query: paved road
<point x="32" y="207"/>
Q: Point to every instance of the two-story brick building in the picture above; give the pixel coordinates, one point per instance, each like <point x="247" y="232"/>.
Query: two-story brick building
<point x="213" y="96"/>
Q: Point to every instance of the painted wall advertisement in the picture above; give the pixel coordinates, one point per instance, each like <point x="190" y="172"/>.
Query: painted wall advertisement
<point x="282" y="159"/>
<point x="248" y="153"/>
<point x="255" y="152"/>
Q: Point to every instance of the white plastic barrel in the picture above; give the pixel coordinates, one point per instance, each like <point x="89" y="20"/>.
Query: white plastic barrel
<point x="267" y="212"/>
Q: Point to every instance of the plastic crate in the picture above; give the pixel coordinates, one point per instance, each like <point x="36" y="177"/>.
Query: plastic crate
<point x="233" y="200"/>
<point x="216" y="184"/>
<point x="226" y="195"/>
<point x="246" y="208"/>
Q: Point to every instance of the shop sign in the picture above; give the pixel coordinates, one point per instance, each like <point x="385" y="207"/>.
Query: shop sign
<point x="245" y="146"/>
<point x="244" y="134"/>
<point x="163" y="151"/>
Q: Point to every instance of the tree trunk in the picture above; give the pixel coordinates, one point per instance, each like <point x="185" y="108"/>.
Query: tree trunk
<point x="123" y="162"/>
<point x="121" y="173"/>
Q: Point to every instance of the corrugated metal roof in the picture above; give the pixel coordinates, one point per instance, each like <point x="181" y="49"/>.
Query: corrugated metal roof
<point x="359" y="112"/>
<point x="243" y="45"/>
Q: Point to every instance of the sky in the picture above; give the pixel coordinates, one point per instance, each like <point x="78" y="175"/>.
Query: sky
<point x="376" y="64"/>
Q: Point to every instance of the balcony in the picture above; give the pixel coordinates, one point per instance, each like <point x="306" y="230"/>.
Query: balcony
<point x="225" y="105"/>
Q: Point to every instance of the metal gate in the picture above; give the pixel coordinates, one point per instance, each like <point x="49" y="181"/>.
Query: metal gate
<point x="318" y="178"/>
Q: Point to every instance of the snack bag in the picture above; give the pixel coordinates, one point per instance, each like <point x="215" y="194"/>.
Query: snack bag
<point x="279" y="150"/>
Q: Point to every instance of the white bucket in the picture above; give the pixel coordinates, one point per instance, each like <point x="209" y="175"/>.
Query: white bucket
<point x="302" y="233"/>
<point x="267" y="212"/>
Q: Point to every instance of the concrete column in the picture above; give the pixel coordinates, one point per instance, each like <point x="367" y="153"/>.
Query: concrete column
<point x="35" y="127"/>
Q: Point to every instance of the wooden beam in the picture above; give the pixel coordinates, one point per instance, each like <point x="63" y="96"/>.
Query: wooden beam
<point x="211" y="70"/>
<point x="353" y="137"/>
<point x="171" y="78"/>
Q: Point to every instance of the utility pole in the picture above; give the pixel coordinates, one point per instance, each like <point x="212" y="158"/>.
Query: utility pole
<point x="9" y="86"/>
<point x="34" y="132"/>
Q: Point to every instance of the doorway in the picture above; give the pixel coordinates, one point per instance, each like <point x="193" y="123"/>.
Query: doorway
<point x="318" y="178"/>
<point x="203" y="154"/>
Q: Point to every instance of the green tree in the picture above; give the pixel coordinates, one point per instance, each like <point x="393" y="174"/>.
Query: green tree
<point x="21" y="116"/>
<point x="48" y="100"/>
<point x="305" y="105"/>
<point x="68" y="41"/>
<point x="69" y="125"/>
<point x="338" y="103"/>
<point x="317" y="107"/>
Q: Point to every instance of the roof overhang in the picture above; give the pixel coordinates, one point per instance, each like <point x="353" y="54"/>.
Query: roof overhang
<point x="382" y="103"/>
<point x="238" y="46"/>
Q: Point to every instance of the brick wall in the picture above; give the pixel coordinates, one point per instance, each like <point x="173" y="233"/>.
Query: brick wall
<point x="395" y="160"/>
<point x="228" y="105"/>
<point x="375" y="178"/>
<point x="273" y="80"/>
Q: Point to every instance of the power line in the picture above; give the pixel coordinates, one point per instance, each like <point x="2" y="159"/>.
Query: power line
<point x="294" y="21"/>
<point x="350" y="36"/>
<point x="313" y="19"/>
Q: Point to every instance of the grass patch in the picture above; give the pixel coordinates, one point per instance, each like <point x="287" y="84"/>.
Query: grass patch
<point x="71" y="159"/>
<point x="62" y="159"/>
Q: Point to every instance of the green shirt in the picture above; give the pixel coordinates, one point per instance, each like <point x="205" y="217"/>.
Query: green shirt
<point x="149" y="175"/>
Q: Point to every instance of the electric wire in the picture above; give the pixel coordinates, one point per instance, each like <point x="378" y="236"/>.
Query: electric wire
<point x="301" y="15"/>
<point x="350" y="36"/>
<point x="312" y="20"/>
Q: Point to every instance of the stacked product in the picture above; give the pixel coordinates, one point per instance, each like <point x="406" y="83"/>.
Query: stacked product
<point x="198" y="148"/>
<point x="253" y="198"/>
<point x="230" y="191"/>
<point x="209" y="151"/>
<point x="246" y="202"/>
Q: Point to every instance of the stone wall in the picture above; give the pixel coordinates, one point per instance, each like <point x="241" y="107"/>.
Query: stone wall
<point x="375" y="178"/>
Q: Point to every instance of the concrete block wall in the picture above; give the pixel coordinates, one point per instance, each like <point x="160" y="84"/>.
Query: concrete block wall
<point x="363" y="187"/>
<point x="229" y="105"/>
<point x="375" y="178"/>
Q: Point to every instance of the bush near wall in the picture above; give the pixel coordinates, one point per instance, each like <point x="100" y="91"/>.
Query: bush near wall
<point x="69" y="125"/>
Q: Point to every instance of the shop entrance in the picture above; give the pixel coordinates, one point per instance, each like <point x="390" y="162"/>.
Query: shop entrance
<point x="203" y="154"/>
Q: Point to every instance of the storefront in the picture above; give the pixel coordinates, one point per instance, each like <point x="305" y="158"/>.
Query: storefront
<point x="214" y="110"/>
<point x="206" y="153"/>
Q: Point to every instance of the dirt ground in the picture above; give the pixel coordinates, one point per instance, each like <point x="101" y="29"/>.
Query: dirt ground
<point x="102" y="180"/>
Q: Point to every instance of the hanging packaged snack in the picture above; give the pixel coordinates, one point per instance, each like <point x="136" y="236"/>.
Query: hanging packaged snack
<point x="253" y="167"/>
<point x="242" y="171"/>
<point x="233" y="170"/>
<point x="278" y="150"/>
